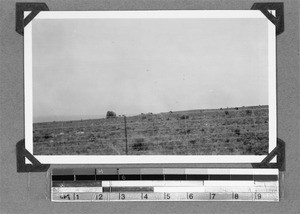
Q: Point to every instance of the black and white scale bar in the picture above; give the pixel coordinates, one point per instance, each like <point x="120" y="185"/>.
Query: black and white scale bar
<point x="172" y="184"/>
<point x="128" y="189"/>
<point x="76" y="183"/>
<point x="162" y="177"/>
<point x="163" y="196"/>
<point x="180" y="174"/>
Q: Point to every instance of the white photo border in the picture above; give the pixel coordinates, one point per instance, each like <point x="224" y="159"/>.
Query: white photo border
<point x="148" y="159"/>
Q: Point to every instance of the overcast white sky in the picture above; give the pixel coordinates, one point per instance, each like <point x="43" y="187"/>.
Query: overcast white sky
<point x="83" y="68"/>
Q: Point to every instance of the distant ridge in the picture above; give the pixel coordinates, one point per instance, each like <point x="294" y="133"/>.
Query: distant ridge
<point x="97" y="117"/>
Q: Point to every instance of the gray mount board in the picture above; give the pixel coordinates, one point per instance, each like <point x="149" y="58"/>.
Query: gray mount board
<point x="28" y="192"/>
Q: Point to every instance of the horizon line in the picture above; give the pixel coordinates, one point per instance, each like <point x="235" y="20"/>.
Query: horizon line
<point x="132" y="115"/>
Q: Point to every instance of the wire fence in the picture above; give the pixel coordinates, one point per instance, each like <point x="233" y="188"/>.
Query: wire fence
<point x="164" y="134"/>
<point x="94" y="124"/>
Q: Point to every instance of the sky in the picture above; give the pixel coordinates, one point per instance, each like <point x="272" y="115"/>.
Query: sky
<point x="84" y="68"/>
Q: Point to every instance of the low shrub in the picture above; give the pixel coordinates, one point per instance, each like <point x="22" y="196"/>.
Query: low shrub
<point x="184" y="117"/>
<point x="139" y="146"/>
<point x="47" y="136"/>
<point x="237" y="131"/>
<point x="248" y="112"/>
<point x="192" y="141"/>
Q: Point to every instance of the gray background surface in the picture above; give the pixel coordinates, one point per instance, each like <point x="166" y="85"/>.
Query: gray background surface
<point x="29" y="192"/>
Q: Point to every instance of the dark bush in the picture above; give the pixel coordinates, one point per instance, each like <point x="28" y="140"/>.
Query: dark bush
<point x="248" y="112"/>
<point x="110" y="114"/>
<point x="47" y="136"/>
<point x="192" y="141"/>
<point x="226" y="112"/>
<point x="184" y="117"/>
<point x="237" y="132"/>
<point x="138" y="146"/>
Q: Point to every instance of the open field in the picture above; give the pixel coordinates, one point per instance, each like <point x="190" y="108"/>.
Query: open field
<point x="230" y="131"/>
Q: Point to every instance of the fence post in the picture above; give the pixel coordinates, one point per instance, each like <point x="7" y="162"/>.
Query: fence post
<point x="125" y="121"/>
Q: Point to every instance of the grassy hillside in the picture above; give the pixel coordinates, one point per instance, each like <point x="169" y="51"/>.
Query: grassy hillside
<point x="231" y="131"/>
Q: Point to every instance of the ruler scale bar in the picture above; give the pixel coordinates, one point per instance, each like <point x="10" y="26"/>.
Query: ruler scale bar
<point x="152" y="177"/>
<point x="85" y="177"/>
<point x="166" y="184"/>
<point x="76" y="183"/>
<point x="165" y="196"/>
<point x="107" y="177"/>
<point x="128" y="189"/>
<point x="78" y="189"/>
<point x="165" y="177"/>
<point x="150" y="183"/>
<point x="197" y="177"/>
<point x="241" y="177"/>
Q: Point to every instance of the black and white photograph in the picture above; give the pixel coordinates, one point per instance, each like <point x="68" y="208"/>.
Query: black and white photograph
<point x="150" y="86"/>
<point x="149" y="106"/>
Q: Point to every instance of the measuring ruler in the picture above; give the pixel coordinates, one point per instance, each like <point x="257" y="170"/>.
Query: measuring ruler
<point x="163" y="184"/>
